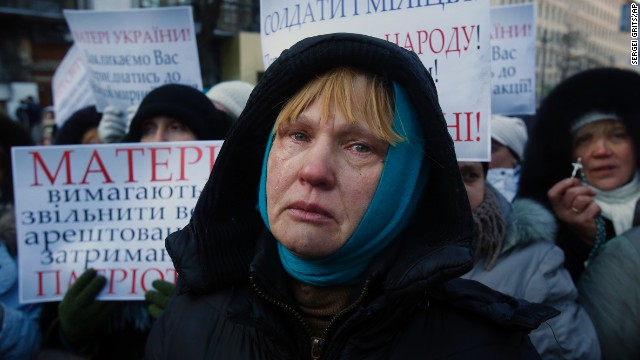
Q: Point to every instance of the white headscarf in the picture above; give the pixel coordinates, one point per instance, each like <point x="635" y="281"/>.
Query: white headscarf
<point x="618" y="205"/>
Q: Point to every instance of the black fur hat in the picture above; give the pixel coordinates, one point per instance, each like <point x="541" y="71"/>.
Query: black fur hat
<point x="185" y="104"/>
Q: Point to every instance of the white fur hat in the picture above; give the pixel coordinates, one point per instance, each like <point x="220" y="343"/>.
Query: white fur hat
<point x="510" y="132"/>
<point x="233" y="95"/>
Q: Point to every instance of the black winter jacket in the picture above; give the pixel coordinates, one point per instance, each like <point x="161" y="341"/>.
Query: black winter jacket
<point x="234" y="298"/>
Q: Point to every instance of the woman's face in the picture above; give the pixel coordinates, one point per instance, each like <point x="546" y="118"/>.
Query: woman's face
<point x="473" y="177"/>
<point x="163" y="129"/>
<point x="501" y="157"/>
<point x="607" y="153"/>
<point x="321" y="177"/>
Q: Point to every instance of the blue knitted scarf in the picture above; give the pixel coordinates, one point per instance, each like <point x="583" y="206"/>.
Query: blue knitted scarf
<point x="401" y="183"/>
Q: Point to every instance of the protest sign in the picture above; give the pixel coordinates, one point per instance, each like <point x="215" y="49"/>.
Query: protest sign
<point x="513" y="59"/>
<point x="70" y="86"/>
<point x="107" y="207"/>
<point x="450" y="37"/>
<point x="130" y="52"/>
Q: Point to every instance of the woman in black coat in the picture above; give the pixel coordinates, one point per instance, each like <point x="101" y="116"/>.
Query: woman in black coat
<point x="588" y="116"/>
<point x="339" y="234"/>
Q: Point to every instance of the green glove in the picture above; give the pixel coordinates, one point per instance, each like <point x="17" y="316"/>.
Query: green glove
<point x="81" y="315"/>
<point x="160" y="297"/>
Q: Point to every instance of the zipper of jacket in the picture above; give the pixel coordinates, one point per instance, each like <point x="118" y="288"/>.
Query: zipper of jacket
<point x="320" y="349"/>
<point x="273" y="301"/>
<point x="317" y="343"/>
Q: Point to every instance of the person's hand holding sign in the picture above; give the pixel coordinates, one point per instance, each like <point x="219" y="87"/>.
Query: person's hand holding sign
<point x="81" y="315"/>
<point x="159" y="298"/>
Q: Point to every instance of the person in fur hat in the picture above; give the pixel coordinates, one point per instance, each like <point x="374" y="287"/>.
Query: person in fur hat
<point x="335" y="225"/>
<point x="19" y="328"/>
<point x="582" y="158"/>
<point x="515" y="254"/>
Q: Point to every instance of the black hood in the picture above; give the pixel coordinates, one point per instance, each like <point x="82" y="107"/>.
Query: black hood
<point x="228" y="202"/>
<point x="547" y="157"/>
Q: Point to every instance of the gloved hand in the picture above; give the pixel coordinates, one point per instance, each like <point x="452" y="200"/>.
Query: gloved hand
<point x="113" y="126"/>
<point x="81" y="315"/>
<point x="131" y="112"/>
<point x="160" y="297"/>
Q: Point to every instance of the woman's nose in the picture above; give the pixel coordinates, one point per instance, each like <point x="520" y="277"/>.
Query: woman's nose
<point x="318" y="165"/>
<point x="600" y="147"/>
<point x="160" y="135"/>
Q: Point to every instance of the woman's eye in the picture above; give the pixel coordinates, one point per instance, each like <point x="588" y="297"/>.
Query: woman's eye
<point x="298" y="136"/>
<point x="620" y="135"/>
<point x="361" y="148"/>
<point x="469" y="176"/>
<point x="582" y="140"/>
<point x="176" y="127"/>
<point x="147" y="128"/>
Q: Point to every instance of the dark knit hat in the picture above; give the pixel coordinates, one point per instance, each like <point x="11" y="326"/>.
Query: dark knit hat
<point x="185" y="104"/>
<point x="77" y="125"/>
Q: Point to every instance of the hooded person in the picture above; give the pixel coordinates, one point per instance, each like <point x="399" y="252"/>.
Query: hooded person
<point x="335" y="223"/>
<point x="508" y="138"/>
<point x="589" y="124"/>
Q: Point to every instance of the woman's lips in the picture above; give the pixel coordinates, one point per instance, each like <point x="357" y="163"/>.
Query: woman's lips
<point x="603" y="170"/>
<point x="309" y="212"/>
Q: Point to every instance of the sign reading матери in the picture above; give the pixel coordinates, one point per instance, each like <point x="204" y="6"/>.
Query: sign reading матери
<point x="108" y="207"/>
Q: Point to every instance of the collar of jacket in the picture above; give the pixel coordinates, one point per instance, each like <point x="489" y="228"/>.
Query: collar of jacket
<point x="529" y="222"/>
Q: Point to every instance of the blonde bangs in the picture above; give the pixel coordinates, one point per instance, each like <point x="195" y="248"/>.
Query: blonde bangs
<point x="373" y="106"/>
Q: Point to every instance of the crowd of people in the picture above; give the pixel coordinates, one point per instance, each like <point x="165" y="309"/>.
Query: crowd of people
<point x="338" y="222"/>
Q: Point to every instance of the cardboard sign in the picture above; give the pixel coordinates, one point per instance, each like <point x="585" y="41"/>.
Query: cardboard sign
<point x="70" y="86"/>
<point x="130" y="52"/>
<point x="450" y="37"/>
<point x="513" y="59"/>
<point x="108" y="207"/>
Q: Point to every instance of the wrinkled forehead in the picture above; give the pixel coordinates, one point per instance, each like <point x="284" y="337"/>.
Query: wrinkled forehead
<point x="361" y="98"/>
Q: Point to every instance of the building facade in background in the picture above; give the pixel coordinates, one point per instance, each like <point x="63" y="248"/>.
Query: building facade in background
<point x="35" y="38"/>
<point x="575" y="35"/>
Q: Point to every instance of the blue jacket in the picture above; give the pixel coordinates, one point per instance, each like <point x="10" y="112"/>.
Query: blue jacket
<point x="531" y="267"/>
<point x="19" y="330"/>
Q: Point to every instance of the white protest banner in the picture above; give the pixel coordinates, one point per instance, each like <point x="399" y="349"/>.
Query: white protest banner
<point x="108" y="207"/>
<point x="70" y="86"/>
<point x="513" y="59"/>
<point x="450" y="37"/>
<point x="130" y="52"/>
